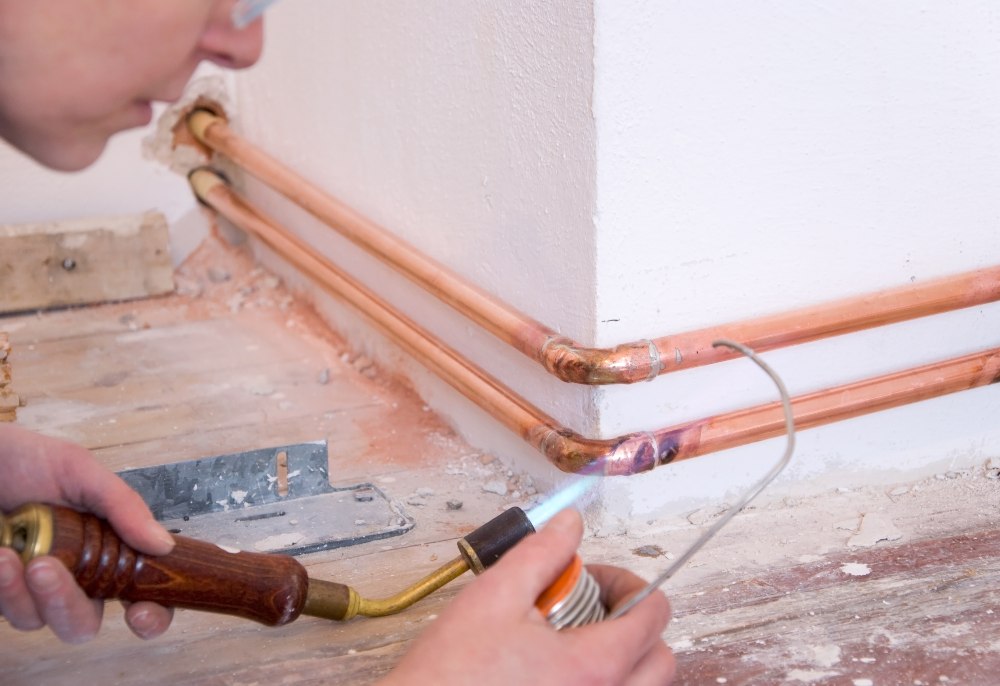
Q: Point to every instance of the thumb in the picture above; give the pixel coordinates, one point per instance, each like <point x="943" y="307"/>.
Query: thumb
<point x="534" y="563"/>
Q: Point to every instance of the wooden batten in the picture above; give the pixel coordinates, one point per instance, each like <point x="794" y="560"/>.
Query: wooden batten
<point x="85" y="261"/>
<point x="8" y="399"/>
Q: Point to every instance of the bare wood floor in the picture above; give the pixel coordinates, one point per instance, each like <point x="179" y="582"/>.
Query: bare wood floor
<point x="234" y="363"/>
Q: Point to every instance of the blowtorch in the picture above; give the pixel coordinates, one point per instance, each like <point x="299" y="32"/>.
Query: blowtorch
<point x="269" y="588"/>
<point x="275" y="589"/>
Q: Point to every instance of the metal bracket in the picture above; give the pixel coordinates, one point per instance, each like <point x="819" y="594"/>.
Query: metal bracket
<point x="269" y="500"/>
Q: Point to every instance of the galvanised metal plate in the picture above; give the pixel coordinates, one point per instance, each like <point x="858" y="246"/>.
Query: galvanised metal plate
<point x="269" y="500"/>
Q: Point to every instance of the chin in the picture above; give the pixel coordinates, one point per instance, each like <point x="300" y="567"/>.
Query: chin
<point x="68" y="144"/>
<point x="72" y="158"/>
<point x="67" y="154"/>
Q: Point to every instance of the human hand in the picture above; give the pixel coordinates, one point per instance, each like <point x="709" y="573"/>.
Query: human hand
<point x="35" y="468"/>
<point x="493" y="634"/>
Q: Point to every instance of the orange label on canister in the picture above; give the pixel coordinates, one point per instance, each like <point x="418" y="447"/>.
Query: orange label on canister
<point x="560" y="588"/>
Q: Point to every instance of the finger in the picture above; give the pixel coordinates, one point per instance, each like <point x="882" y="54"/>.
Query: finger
<point x="59" y="472"/>
<point x="102" y="492"/>
<point x="617" y="584"/>
<point x="63" y="605"/>
<point x="624" y="642"/>
<point x="16" y="603"/>
<point x="148" y="620"/>
<point x="628" y="638"/>
<point x="656" y="668"/>
<point x="534" y="563"/>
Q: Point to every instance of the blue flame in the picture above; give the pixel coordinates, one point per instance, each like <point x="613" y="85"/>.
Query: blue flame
<point x="561" y="499"/>
<point x="245" y="12"/>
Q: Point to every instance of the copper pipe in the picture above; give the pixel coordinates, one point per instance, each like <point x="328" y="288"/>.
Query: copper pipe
<point x="565" y="358"/>
<point x="566" y="449"/>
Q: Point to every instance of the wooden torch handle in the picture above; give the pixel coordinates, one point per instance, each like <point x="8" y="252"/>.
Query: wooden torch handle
<point x="266" y="588"/>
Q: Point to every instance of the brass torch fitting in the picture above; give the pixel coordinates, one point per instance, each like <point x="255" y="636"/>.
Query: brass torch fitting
<point x="28" y="531"/>
<point x="479" y="550"/>
<point x="369" y="607"/>
<point x="336" y="601"/>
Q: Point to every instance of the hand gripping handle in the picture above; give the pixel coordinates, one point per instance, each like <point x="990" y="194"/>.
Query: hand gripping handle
<point x="266" y="588"/>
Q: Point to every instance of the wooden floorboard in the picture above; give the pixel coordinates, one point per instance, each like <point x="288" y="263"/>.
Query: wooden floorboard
<point x="925" y="609"/>
<point x="234" y="363"/>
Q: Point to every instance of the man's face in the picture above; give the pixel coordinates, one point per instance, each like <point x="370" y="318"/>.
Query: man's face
<point x="75" y="72"/>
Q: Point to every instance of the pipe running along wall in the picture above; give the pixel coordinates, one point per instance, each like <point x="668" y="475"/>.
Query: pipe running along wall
<point x="626" y="363"/>
<point x="566" y="449"/>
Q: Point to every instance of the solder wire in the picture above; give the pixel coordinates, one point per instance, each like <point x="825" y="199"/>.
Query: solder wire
<point x="752" y="493"/>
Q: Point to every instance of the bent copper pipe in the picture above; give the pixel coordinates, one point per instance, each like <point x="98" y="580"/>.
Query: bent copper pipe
<point x="566" y="359"/>
<point x="566" y="449"/>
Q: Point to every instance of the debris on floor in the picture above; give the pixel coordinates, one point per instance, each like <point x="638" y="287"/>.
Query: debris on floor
<point x="875" y="528"/>
<point x="486" y="474"/>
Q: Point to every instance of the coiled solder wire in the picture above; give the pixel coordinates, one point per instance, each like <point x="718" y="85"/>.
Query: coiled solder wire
<point x="581" y="606"/>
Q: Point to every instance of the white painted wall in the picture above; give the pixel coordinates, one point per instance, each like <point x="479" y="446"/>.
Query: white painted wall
<point x="755" y="157"/>
<point x="627" y="169"/>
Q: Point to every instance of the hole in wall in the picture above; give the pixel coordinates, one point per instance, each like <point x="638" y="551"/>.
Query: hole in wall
<point x="182" y="135"/>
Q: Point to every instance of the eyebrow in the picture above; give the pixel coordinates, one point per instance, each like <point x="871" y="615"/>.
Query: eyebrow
<point x="246" y="11"/>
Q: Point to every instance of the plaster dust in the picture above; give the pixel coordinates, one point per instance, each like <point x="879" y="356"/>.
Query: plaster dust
<point x="220" y="277"/>
<point x="856" y="569"/>
<point x="278" y="541"/>
<point x="874" y="529"/>
<point x="808" y="676"/>
<point x="162" y="145"/>
<point x="787" y="529"/>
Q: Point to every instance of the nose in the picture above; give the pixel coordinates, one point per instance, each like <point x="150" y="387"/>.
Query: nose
<point x="229" y="46"/>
